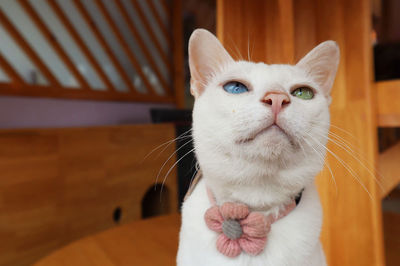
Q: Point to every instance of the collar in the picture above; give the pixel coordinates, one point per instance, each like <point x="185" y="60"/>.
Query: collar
<point x="238" y="228"/>
<point x="199" y="175"/>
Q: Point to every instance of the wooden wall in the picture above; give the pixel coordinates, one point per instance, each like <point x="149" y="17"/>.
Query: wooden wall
<point x="58" y="185"/>
<point x="282" y="31"/>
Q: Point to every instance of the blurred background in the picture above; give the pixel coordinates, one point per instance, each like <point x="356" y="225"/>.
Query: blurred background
<point x="95" y="115"/>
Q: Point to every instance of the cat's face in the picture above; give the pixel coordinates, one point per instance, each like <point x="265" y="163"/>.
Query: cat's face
<point x="255" y="115"/>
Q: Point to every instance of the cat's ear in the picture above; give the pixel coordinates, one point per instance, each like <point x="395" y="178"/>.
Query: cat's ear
<point x="321" y="64"/>
<point x="206" y="57"/>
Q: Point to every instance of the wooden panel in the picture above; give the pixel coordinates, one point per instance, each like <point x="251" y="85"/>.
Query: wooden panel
<point x="351" y="211"/>
<point x="388" y="93"/>
<point x="286" y="27"/>
<point x="244" y="38"/>
<point x="352" y="230"/>
<point x="58" y="185"/>
<point x="389" y="169"/>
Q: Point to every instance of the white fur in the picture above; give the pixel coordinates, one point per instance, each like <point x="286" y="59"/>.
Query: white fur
<point x="268" y="171"/>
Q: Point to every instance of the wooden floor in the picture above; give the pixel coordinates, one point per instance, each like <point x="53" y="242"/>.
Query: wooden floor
<point x="114" y="247"/>
<point x="147" y="242"/>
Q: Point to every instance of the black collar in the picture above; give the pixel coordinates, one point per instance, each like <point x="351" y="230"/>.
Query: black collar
<point x="298" y="197"/>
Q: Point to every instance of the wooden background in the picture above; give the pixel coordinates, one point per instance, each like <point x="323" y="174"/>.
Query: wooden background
<point x="58" y="185"/>
<point x="282" y="31"/>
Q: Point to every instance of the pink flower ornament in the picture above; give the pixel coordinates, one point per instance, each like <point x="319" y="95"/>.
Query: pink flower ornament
<point x="239" y="229"/>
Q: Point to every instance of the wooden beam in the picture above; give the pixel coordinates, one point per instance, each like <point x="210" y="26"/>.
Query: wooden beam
<point x="73" y="93"/>
<point x="389" y="169"/>
<point x="36" y="60"/>
<point x="177" y="51"/>
<point x="54" y="43"/>
<point x="388" y="93"/>
<point x="143" y="46"/>
<point x="102" y="41"/>
<point x="151" y="33"/>
<point x="81" y="44"/>
<point x="16" y="79"/>
<point x="159" y="21"/>
<point x="125" y="46"/>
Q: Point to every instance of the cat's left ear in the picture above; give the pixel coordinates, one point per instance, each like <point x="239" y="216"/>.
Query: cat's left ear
<point x="207" y="57"/>
<point x="321" y="65"/>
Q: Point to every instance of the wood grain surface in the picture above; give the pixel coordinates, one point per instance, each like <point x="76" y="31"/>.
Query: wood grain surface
<point x="352" y="229"/>
<point x="58" y="185"/>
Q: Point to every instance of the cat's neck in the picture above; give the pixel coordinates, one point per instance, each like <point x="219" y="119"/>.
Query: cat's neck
<point x="263" y="195"/>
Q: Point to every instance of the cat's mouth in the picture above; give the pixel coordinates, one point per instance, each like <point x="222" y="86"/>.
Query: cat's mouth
<point x="259" y="132"/>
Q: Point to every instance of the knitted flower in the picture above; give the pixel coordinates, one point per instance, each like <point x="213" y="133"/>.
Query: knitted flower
<point x="239" y="228"/>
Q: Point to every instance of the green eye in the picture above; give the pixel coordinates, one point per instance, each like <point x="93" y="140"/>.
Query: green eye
<point x="304" y="93"/>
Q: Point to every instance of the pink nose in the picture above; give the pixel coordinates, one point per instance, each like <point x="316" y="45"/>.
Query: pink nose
<point x="277" y="100"/>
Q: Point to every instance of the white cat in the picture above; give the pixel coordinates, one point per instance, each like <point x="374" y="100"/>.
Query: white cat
<point x="259" y="132"/>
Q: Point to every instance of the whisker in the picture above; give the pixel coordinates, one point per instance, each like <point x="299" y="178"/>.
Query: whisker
<point x="346" y="166"/>
<point x="344" y="141"/>
<point x="181" y="136"/>
<point x="340" y="129"/>
<point x="353" y="149"/>
<point x="252" y="50"/>
<point x="238" y="54"/>
<point x="192" y="178"/>
<point x="172" y="167"/>
<point x="162" y="167"/>
<point x="326" y="163"/>
<point x="351" y="153"/>
<point x="345" y="131"/>
<point x="248" y="46"/>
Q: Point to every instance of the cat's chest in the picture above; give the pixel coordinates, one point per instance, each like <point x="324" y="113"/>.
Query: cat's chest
<point x="290" y="239"/>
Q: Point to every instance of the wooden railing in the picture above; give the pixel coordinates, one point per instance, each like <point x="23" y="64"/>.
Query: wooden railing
<point x="92" y="49"/>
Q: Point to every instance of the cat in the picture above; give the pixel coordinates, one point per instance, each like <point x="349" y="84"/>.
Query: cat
<point x="259" y="134"/>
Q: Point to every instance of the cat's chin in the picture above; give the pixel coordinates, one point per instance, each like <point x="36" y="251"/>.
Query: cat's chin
<point x="272" y="143"/>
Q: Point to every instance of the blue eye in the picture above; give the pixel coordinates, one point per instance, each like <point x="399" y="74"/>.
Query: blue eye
<point x="235" y="87"/>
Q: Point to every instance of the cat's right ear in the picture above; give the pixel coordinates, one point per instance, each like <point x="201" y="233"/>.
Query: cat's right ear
<point x="321" y="65"/>
<point x="206" y="57"/>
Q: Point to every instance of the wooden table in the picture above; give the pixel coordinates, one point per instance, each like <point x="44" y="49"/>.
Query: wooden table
<point x="151" y="241"/>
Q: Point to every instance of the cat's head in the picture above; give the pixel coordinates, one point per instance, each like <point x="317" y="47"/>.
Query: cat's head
<point x="253" y="119"/>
